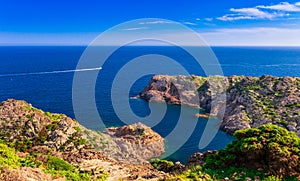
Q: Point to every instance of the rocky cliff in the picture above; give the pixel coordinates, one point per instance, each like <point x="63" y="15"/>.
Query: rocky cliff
<point x="250" y="101"/>
<point x="40" y="136"/>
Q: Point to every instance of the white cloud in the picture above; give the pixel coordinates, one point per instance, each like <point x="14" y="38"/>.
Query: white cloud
<point x="284" y="6"/>
<point x="189" y="23"/>
<point x="261" y="12"/>
<point x="156" y="22"/>
<point x="208" y="19"/>
<point x="137" y="28"/>
<point x="228" y="17"/>
<point x="198" y="19"/>
<point x="252" y="12"/>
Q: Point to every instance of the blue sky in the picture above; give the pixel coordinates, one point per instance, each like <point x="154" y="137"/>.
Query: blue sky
<point x="219" y="22"/>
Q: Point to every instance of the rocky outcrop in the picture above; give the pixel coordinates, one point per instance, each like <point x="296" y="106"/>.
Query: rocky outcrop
<point x="26" y="127"/>
<point x="139" y="139"/>
<point x="199" y="158"/>
<point x="122" y="152"/>
<point x="93" y="161"/>
<point x="250" y="101"/>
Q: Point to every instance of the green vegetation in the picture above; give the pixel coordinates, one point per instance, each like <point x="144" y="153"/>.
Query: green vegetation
<point x="52" y="165"/>
<point x="268" y="146"/>
<point x="162" y="165"/>
<point x="284" y="123"/>
<point x="230" y="173"/>
<point x="268" y="152"/>
<point x="199" y="80"/>
<point x="8" y="157"/>
<point x="53" y="116"/>
<point x="267" y="95"/>
<point x="77" y="128"/>
<point x="59" y="167"/>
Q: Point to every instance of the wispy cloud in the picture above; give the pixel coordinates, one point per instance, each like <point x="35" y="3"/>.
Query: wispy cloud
<point x="250" y="13"/>
<point x="156" y="22"/>
<point x="284" y="6"/>
<point x="261" y="12"/>
<point x="253" y="12"/>
<point x="136" y="28"/>
<point x="208" y="19"/>
<point x="189" y="23"/>
<point x="232" y="17"/>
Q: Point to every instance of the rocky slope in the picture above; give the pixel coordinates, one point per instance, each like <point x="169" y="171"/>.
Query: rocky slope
<point x="122" y="152"/>
<point x="250" y="101"/>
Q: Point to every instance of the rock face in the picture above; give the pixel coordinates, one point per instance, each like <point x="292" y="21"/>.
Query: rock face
<point x="124" y="149"/>
<point x="250" y="101"/>
<point x="94" y="161"/>
<point x="171" y="89"/>
<point x="139" y="139"/>
<point x="26" y="126"/>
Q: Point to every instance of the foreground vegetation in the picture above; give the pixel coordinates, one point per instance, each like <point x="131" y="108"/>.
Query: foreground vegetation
<point x="265" y="153"/>
<point x="58" y="168"/>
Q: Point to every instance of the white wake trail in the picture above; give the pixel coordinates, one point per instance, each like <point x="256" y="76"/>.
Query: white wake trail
<point x="50" y="72"/>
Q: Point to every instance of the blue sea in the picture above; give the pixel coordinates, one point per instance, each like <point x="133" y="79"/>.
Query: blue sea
<point x="43" y="76"/>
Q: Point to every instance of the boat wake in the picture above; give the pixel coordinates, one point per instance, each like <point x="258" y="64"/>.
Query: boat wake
<point x="50" y="72"/>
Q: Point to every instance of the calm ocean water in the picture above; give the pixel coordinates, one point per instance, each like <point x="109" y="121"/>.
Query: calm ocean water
<point x="24" y="74"/>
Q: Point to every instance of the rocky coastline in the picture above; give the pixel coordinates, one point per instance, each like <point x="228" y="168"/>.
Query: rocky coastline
<point x="121" y="153"/>
<point x="250" y="101"/>
<point x="42" y="146"/>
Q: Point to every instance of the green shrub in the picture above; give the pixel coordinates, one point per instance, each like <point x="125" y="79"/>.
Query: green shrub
<point x="162" y="165"/>
<point x="72" y="176"/>
<point x="55" y="163"/>
<point x="268" y="146"/>
<point x="271" y="148"/>
<point x="30" y="161"/>
<point x="59" y="167"/>
<point x="8" y="157"/>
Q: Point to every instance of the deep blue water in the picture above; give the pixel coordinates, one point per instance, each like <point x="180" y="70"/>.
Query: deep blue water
<point x="53" y="91"/>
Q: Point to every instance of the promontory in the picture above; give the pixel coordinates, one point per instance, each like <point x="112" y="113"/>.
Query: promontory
<point x="249" y="101"/>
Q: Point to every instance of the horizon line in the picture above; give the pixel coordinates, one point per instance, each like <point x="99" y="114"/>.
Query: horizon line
<point x="84" y="45"/>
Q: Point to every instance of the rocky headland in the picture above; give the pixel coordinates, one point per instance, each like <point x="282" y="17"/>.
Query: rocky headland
<point x="55" y="147"/>
<point x="250" y="101"/>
